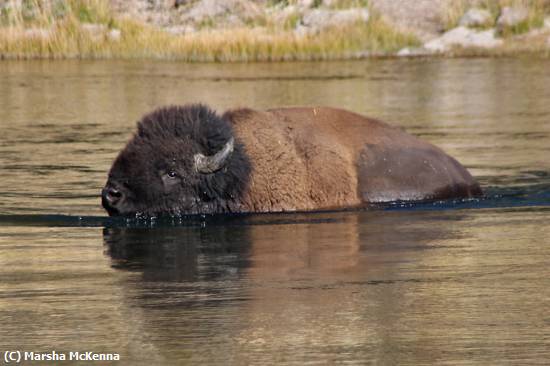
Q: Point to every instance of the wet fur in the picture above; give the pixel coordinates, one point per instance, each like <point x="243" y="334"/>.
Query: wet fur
<point x="164" y="132"/>
<point x="288" y="159"/>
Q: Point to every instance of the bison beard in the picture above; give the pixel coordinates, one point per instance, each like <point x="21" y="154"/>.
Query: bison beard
<point x="189" y="160"/>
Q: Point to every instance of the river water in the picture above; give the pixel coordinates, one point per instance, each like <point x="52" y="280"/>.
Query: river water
<point x="444" y="283"/>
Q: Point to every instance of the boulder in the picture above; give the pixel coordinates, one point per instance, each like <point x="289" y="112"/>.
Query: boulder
<point x="476" y="18"/>
<point x="207" y="9"/>
<point x="231" y="10"/>
<point x="180" y="29"/>
<point x="38" y="33"/>
<point x="316" y="20"/>
<point x="463" y="37"/>
<point x="94" y="30"/>
<point x="330" y="3"/>
<point x="281" y="15"/>
<point x="512" y="16"/>
<point x="413" y="52"/>
<point x="114" y="35"/>
<point x="423" y="18"/>
<point x="98" y="32"/>
<point x="305" y="4"/>
<point x="5" y="4"/>
<point x="93" y="27"/>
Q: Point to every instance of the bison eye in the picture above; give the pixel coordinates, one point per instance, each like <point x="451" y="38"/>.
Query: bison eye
<point x="170" y="180"/>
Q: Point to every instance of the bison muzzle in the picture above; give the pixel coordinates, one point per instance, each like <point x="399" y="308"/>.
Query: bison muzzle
<point x="190" y="160"/>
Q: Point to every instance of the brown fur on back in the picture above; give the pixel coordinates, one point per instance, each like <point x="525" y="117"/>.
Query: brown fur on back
<point x="321" y="158"/>
<point x="289" y="166"/>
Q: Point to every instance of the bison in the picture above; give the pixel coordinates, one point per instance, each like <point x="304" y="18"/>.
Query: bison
<point x="190" y="160"/>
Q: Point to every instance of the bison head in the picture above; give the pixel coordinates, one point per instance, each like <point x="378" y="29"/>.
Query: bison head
<point x="182" y="160"/>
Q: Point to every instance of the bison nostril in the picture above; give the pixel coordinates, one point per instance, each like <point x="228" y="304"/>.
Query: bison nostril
<point x="111" y="196"/>
<point x="114" y="193"/>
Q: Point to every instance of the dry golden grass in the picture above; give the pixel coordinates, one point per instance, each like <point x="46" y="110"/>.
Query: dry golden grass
<point x="42" y="30"/>
<point x="65" y="37"/>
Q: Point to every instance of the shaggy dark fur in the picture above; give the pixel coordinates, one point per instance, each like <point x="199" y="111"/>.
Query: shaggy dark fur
<point x="155" y="174"/>
<point x="181" y="161"/>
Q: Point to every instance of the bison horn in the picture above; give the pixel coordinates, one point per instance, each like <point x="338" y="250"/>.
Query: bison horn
<point x="211" y="164"/>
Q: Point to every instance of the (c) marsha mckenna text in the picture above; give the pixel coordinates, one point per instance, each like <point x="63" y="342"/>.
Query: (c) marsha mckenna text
<point x="19" y="356"/>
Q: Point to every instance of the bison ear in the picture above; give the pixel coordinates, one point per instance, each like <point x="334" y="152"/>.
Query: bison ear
<point x="211" y="164"/>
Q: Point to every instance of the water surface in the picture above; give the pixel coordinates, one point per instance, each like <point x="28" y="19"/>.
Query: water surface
<point x="444" y="283"/>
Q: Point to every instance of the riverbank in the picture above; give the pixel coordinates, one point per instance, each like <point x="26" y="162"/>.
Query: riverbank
<point x="262" y="30"/>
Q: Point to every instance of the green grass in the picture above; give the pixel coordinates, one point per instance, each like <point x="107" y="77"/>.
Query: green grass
<point x="48" y="12"/>
<point x="537" y="11"/>
<point x="345" y="4"/>
<point x="66" y="38"/>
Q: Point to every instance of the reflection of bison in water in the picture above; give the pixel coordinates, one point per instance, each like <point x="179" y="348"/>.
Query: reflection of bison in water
<point x="188" y="160"/>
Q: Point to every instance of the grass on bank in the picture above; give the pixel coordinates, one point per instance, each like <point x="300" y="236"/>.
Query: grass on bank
<point x="537" y="11"/>
<point x="56" y="29"/>
<point x="44" y="13"/>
